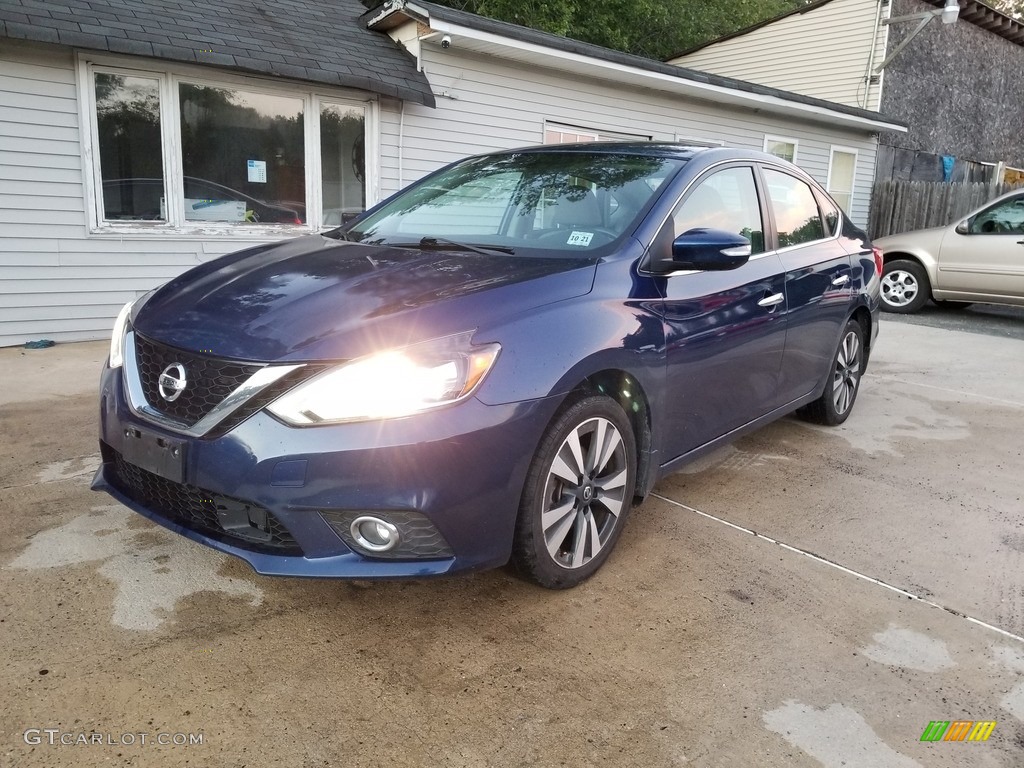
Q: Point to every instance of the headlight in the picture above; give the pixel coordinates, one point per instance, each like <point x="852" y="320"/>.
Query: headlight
<point x="117" y="338"/>
<point x="390" y="384"/>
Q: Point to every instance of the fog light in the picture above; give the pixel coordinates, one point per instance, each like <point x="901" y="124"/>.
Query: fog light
<point x="374" y="534"/>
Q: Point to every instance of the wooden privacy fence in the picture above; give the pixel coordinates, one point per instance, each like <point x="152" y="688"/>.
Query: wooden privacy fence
<point x="900" y="206"/>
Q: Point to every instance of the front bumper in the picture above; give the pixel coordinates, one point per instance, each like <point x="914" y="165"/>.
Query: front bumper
<point x="462" y="468"/>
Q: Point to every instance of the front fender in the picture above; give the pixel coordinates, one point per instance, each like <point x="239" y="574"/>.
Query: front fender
<point x="923" y="246"/>
<point x="553" y="348"/>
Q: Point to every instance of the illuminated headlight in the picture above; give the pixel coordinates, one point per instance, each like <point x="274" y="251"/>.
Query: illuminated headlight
<point x="391" y="384"/>
<point x="117" y="338"/>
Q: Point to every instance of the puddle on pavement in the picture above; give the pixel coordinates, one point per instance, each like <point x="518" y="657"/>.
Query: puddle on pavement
<point x="885" y="417"/>
<point x="80" y="468"/>
<point x="837" y="737"/>
<point x="153" y="568"/>
<point x="908" y="649"/>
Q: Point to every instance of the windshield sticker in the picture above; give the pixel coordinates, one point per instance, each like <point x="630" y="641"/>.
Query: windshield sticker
<point x="580" y="238"/>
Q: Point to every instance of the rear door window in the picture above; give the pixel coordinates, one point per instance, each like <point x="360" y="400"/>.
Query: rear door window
<point x="797" y="218"/>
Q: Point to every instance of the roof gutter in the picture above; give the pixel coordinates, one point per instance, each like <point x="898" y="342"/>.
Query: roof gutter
<point x="634" y="76"/>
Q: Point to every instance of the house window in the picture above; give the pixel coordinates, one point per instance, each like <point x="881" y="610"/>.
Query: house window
<point x="554" y="134"/>
<point x="567" y="134"/>
<point x="242" y="156"/>
<point x="694" y="141"/>
<point x="781" y="147"/>
<point x="343" y="162"/>
<point x="130" y="162"/>
<point x="178" y="152"/>
<point x="842" y="168"/>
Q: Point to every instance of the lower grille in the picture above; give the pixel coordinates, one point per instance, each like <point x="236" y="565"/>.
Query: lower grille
<point x="221" y="517"/>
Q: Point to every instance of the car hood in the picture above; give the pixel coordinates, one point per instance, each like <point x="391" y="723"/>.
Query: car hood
<point x="317" y="298"/>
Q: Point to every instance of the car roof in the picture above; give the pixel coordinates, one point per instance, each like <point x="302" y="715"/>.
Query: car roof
<point x="665" y="149"/>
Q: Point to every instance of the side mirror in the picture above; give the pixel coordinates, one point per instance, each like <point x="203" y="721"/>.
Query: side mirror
<point x="964" y="227"/>
<point x="710" y="250"/>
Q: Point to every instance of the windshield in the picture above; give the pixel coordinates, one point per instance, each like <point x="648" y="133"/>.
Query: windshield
<point x="554" y="201"/>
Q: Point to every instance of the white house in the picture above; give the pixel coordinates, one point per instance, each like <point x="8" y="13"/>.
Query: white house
<point x="141" y="139"/>
<point x="950" y="74"/>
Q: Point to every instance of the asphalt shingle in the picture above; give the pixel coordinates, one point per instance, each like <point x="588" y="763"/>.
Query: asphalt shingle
<point x="322" y="41"/>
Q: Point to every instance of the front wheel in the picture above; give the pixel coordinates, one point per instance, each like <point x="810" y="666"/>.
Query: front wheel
<point x="577" y="494"/>
<point x="836" y="402"/>
<point x="905" y="286"/>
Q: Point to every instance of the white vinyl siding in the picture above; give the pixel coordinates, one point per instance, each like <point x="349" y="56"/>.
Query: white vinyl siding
<point x="824" y="53"/>
<point x="498" y="104"/>
<point x="58" y="281"/>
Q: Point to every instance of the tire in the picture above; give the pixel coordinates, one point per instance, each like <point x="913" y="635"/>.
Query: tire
<point x="905" y="286"/>
<point x="952" y="305"/>
<point x="836" y="402"/>
<point x="577" y="495"/>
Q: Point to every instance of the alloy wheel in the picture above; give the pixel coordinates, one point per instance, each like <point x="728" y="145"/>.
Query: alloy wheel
<point x="584" y="494"/>
<point x="847" y="372"/>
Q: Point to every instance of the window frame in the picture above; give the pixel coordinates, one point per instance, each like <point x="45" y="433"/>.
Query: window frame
<point x="766" y="195"/>
<point x="853" y="180"/>
<point x="768" y="138"/>
<point x="695" y="141"/>
<point x="597" y="133"/>
<point x="169" y="76"/>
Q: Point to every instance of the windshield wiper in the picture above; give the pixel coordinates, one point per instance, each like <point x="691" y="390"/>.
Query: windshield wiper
<point x="444" y="243"/>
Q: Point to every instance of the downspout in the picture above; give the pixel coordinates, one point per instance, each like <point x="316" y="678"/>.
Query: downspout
<point x="401" y="144"/>
<point x="871" y="55"/>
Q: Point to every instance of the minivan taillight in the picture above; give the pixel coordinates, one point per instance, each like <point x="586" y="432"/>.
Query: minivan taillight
<point x="878" y="260"/>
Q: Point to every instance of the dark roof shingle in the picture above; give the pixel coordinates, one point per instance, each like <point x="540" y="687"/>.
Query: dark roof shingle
<point x="323" y="41"/>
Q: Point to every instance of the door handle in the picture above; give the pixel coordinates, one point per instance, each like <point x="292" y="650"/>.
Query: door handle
<point x="771" y="301"/>
<point x="841" y="280"/>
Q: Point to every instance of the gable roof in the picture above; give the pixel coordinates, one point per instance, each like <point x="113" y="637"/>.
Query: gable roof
<point x="971" y="11"/>
<point x="321" y="41"/>
<point x="575" y="58"/>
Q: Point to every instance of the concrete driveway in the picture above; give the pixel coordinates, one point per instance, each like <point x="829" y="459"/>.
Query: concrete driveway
<point x="807" y="597"/>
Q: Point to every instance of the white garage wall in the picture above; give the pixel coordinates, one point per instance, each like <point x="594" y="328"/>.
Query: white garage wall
<point x="488" y="103"/>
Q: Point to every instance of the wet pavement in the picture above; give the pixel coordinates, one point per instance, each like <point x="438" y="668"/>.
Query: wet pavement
<point x="806" y="597"/>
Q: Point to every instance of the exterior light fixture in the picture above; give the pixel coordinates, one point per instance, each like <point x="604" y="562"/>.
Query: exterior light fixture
<point x="949" y="14"/>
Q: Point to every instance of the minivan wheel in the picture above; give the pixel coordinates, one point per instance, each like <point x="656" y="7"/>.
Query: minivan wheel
<point x="577" y="495"/>
<point x="836" y="402"/>
<point x="905" y="286"/>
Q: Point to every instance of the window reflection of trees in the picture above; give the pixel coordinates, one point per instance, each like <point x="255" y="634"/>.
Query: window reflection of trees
<point x="128" y="125"/>
<point x="222" y="129"/>
<point x="542" y="177"/>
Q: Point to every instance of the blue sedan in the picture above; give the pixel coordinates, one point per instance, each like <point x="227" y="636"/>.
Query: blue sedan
<point x="495" y="364"/>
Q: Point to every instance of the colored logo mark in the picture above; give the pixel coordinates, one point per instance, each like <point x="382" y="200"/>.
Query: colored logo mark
<point x="958" y="730"/>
